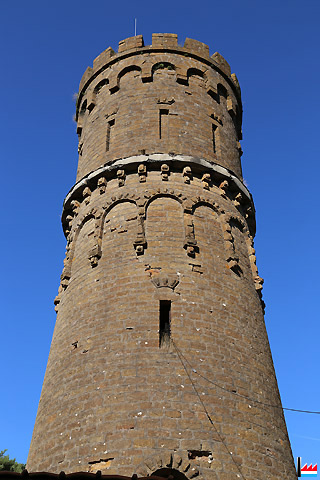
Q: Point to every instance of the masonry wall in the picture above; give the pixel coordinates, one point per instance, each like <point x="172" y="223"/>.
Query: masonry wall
<point x="153" y="237"/>
<point x="159" y="101"/>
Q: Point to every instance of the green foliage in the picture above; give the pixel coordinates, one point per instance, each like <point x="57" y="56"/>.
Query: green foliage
<point x="10" y="464"/>
<point x="160" y="66"/>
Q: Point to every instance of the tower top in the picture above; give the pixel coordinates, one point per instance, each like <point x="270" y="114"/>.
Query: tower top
<point x="161" y="42"/>
<point x="159" y="103"/>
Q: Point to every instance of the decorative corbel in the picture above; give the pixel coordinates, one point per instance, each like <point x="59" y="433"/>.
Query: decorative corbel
<point x="69" y="219"/>
<point x="86" y="195"/>
<point x="75" y="205"/>
<point x="121" y="177"/>
<point x="231" y="257"/>
<point x="237" y="200"/>
<point x="165" y="280"/>
<point x="102" y="185"/>
<point x="224" y="185"/>
<point x="142" y="172"/>
<point x="80" y="148"/>
<point x="57" y="300"/>
<point x="94" y="255"/>
<point x="187" y="174"/>
<point x="65" y="276"/>
<point x="190" y="240"/>
<point x="165" y="172"/>
<point x="248" y="212"/>
<point x="140" y="243"/>
<point x="206" y="181"/>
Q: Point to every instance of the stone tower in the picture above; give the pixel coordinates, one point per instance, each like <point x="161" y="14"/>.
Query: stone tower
<point x="160" y="358"/>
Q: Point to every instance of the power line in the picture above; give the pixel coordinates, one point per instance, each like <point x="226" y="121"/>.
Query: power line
<point x="244" y="396"/>
<point x="180" y="355"/>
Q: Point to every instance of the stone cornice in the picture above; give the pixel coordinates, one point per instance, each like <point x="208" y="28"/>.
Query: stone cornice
<point x="216" y="174"/>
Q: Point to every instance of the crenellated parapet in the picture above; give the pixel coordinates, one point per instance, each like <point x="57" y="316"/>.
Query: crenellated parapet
<point x="169" y="86"/>
<point x="166" y="42"/>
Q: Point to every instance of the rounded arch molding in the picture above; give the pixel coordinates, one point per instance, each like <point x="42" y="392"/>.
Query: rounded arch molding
<point x="177" y="461"/>
<point x="84" y="211"/>
<point x="146" y="69"/>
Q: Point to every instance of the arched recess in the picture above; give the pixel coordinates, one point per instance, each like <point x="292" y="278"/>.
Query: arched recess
<point x="165" y="233"/>
<point x="83" y="242"/>
<point x="97" y="89"/>
<point x="128" y="71"/>
<point x="120" y="226"/>
<point x="164" y="72"/>
<point x="166" y="472"/>
<point x="177" y="464"/>
<point x="162" y="66"/>
<point x="209" y="236"/>
<point x="222" y="94"/>
<point x="240" y="241"/>
<point x="239" y="248"/>
<point x="195" y="76"/>
<point x="83" y="108"/>
<point x="163" y="193"/>
<point x="93" y="93"/>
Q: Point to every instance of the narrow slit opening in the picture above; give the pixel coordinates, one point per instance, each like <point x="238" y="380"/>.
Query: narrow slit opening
<point x="109" y="134"/>
<point x="214" y="128"/>
<point x="164" y="323"/>
<point x="163" y="123"/>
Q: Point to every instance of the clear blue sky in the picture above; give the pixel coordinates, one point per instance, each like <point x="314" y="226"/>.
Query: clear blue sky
<point x="273" y="47"/>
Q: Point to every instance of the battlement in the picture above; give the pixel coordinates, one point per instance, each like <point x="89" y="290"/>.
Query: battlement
<point x="167" y="42"/>
<point x="171" y="85"/>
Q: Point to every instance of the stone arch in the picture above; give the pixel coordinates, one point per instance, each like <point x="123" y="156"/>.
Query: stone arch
<point x="120" y="228"/>
<point x="195" y="72"/>
<point x="86" y="226"/>
<point x="238" y="221"/>
<point x="206" y="202"/>
<point x="93" y="92"/>
<point x="231" y="248"/>
<point x="83" y="108"/>
<point x="173" y="473"/>
<point x="159" y="195"/>
<point x="110" y="205"/>
<point x="209" y="234"/>
<point x="125" y="71"/>
<point x="165" y="232"/>
<point x="238" y="246"/>
<point x="93" y="213"/>
<point x="139" y="242"/>
<point x="100" y="85"/>
<point x="176" y="462"/>
<point x="162" y="66"/>
<point x="222" y="93"/>
<point x="85" y="217"/>
<point x="71" y="247"/>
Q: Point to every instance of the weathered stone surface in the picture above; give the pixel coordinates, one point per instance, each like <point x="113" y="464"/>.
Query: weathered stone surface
<point x="160" y="283"/>
<point x="171" y="89"/>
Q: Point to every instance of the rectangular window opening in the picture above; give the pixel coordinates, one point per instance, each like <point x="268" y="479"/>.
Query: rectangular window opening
<point x="109" y="134"/>
<point x="214" y="129"/>
<point x="164" y="323"/>
<point x="163" y="124"/>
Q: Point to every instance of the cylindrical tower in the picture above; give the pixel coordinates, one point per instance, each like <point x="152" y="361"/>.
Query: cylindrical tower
<point x="160" y="358"/>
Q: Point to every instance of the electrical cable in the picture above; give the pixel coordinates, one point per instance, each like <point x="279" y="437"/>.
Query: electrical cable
<point x="180" y="355"/>
<point x="244" y="396"/>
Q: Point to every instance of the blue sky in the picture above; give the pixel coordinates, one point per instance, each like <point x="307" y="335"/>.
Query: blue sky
<point x="273" y="47"/>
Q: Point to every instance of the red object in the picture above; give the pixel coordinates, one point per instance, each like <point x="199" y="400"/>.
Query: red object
<point x="305" y="468"/>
